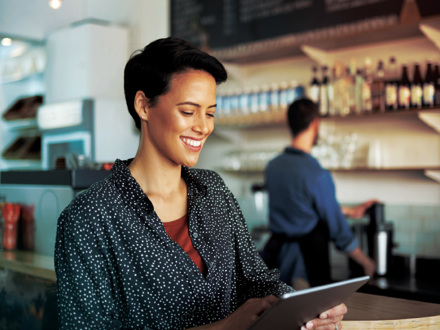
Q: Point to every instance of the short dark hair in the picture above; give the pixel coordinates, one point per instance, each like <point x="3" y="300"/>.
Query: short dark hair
<point x="151" y="69"/>
<point x="301" y="114"/>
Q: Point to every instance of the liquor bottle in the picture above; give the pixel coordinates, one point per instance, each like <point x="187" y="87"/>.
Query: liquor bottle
<point x="324" y="93"/>
<point x="359" y="82"/>
<point x="429" y="87"/>
<point x="337" y="90"/>
<point x="283" y="97"/>
<point x="314" y="86"/>
<point x="378" y="89"/>
<point x="350" y="79"/>
<point x="274" y="98"/>
<point x="264" y="98"/>
<point x="391" y="85"/>
<point x="404" y="89"/>
<point x="367" y="105"/>
<point x="244" y="102"/>
<point x="417" y="88"/>
<point x="331" y="93"/>
<point x="290" y="91"/>
<point x="254" y="100"/>
<point x="437" y="84"/>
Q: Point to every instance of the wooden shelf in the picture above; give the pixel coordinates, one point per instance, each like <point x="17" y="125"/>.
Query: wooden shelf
<point x="430" y="116"/>
<point x="315" y="43"/>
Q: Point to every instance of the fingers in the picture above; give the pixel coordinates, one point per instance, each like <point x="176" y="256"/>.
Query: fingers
<point x="329" y="326"/>
<point x="328" y="319"/>
<point x="339" y="310"/>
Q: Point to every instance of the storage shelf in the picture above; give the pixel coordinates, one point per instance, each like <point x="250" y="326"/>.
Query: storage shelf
<point x="432" y="172"/>
<point x="430" y="116"/>
<point x="327" y="40"/>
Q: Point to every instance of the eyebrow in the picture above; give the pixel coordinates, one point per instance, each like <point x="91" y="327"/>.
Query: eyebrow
<point x="196" y="104"/>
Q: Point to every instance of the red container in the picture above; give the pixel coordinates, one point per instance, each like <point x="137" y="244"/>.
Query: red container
<point x="26" y="226"/>
<point x="11" y="215"/>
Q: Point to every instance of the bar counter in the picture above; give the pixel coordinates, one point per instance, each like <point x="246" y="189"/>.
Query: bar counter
<point x="29" y="263"/>
<point x="365" y="311"/>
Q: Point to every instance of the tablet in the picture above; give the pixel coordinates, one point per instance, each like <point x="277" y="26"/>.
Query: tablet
<point x="295" y="309"/>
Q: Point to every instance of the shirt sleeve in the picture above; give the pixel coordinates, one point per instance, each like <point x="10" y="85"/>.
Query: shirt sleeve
<point x="254" y="278"/>
<point x="329" y="210"/>
<point x="83" y="283"/>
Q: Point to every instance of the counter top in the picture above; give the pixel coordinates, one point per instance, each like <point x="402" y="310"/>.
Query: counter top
<point x="80" y="178"/>
<point x="366" y="311"/>
<point x="29" y="263"/>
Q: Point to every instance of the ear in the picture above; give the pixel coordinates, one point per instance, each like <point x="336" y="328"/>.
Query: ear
<point x="315" y="124"/>
<point x="141" y="105"/>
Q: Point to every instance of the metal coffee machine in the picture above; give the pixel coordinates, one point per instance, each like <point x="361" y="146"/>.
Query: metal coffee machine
<point x="376" y="239"/>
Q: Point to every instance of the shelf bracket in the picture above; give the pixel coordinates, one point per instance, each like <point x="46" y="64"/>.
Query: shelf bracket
<point x="432" y="119"/>
<point x="432" y="31"/>
<point x="433" y="174"/>
<point x="320" y="56"/>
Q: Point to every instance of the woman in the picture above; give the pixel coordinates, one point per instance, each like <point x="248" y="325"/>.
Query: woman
<point x="158" y="245"/>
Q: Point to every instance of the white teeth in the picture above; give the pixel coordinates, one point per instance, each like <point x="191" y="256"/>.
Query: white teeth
<point x="192" y="143"/>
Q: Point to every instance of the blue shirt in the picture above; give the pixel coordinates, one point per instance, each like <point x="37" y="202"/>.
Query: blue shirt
<point x="117" y="267"/>
<point x="301" y="193"/>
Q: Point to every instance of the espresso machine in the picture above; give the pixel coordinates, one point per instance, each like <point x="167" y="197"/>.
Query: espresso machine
<point x="376" y="239"/>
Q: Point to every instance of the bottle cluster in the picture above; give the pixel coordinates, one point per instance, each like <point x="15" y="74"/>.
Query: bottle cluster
<point x="263" y="103"/>
<point x="348" y="89"/>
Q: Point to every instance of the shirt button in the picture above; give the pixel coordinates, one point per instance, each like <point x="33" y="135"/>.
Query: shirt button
<point x="195" y="235"/>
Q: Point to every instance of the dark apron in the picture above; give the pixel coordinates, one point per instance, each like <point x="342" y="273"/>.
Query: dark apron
<point x="314" y="247"/>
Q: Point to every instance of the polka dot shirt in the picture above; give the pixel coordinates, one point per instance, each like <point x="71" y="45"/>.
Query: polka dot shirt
<point x="117" y="268"/>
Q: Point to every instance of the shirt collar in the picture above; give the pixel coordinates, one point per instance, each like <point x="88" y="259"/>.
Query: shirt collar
<point x="132" y="192"/>
<point x="293" y="150"/>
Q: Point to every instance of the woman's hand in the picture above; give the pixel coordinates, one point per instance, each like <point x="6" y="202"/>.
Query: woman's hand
<point x="328" y="320"/>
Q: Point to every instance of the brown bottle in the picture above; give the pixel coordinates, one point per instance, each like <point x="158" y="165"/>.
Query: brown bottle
<point x="417" y="88"/>
<point x="378" y="89"/>
<point x="429" y="87"/>
<point x="404" y="90"/>
<point x="437" y="85"/>
<point x="391" y="85"/>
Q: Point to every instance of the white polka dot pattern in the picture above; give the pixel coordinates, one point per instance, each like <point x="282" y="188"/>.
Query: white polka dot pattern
<point x="117" y="268"/>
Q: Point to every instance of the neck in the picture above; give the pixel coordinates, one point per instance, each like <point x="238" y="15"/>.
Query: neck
<point x="155" y="175"/>
<point x="303" y="141"/>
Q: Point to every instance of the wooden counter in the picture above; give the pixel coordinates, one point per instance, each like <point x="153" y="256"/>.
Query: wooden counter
<point x="29" y="263"/>
<point x="366" y="311"/>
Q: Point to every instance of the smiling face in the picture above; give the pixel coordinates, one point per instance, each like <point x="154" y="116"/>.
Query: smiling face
<point x="179" y="123"/>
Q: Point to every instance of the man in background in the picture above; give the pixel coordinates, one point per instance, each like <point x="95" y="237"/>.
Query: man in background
<point x="304" y="215"/>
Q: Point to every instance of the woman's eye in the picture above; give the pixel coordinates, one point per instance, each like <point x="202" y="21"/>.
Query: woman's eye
<point x="210" y="115"/>
<point x="186" y="113"/>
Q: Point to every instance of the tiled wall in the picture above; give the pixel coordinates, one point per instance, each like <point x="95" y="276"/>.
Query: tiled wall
<point x="417" y="229"/>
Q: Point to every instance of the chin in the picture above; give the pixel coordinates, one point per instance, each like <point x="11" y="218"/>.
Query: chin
<point x="189" y="163"/>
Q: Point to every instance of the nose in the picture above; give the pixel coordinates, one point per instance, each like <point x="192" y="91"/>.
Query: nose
<point x="201" y="124"/>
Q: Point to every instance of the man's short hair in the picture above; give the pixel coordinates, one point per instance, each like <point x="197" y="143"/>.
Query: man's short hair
<point x="301" y="114"/>
<point x="151" y="69"/>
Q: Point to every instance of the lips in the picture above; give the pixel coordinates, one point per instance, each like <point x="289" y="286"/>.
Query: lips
<point x="192" y="144"/>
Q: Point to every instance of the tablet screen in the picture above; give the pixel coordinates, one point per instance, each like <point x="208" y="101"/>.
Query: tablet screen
<point x="296" y="308"/>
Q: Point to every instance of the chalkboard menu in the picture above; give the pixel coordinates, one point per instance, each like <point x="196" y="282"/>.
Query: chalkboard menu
<point x="228" y="24"/>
